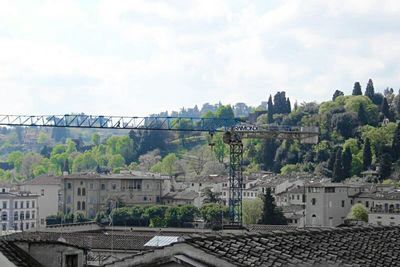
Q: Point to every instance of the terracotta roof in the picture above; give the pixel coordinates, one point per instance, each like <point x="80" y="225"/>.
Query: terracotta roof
<point x="357" y="246"/>
<point x="44" y="180"/>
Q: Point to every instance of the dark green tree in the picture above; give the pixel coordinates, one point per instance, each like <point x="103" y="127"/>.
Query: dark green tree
<point x="280" y="103"/>
<point x="336" y="94"/>
<point x="367" y="154"/>
<point x="211" y="197"/>
<point x="289" y="105"/>
<point x="357" y="89"/>
<point x="66" y="167"/>
<point x="396" y="144"/>
<point x="385" y="166"/>
<point x="266" y="154"/>
<point x="270" y="110"/>
<point x="332" y="158"/>
<point x="345" y="123"/>
<point x="337" y="173"/>
<point x="271" y="215"/>
<point x="347" y="160"/>
<point x="362" y="115"/>
<point x="370" y="91"/>
<point x="385" y="109"/>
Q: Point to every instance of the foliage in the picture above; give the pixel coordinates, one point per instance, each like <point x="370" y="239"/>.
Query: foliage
<point x="271" y="214"/>
<point x="358" y="212"/>
<point x="252" y="210"/>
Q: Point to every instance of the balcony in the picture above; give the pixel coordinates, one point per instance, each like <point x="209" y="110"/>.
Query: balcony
<point x="382" y="210"/>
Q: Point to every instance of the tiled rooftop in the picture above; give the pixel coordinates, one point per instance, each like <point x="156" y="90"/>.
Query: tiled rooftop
<point x="16" y="255"/>
<point x="358" y="246"/>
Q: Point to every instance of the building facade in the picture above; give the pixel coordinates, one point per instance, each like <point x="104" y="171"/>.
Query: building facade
<point x="328" y="204"/>
<point x="19" y="211"/>
<point x="91" y="193"/>
<point x="48" y="188"/>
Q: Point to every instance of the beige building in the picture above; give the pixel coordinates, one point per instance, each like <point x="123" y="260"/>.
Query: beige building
<point x="328" y="204"/>
<point x="48" y="188"/>
<point x="91" y="193"/>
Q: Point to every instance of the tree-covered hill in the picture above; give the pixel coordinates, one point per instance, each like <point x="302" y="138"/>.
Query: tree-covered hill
<point x="358" y="132"/>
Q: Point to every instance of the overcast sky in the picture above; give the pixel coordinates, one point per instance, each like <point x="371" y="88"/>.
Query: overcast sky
<point x="139" y="57"/>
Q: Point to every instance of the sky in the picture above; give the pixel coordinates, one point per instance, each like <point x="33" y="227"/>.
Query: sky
<point x="139" y="57"/>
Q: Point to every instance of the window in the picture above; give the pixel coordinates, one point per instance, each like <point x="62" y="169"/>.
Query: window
<point x="114" y="186"/>
<point x="313" y="201"/>
<point x="103" y="187"/>
<point x="33" y="214"/>
<point x="33" y="204"/>
<point x="79" y="191"/>
<point x="42" y="221"/>
<point x="137" y="184"/>
<point x="16" y="205"/>
<point x="42" y="192"/>
<point x="27" y="215"/>
<point x="83" y="191"/>
<point x="329" y="190"/>
<point x="4" y="226"/>
<point x="83" y="205"/>
<point x="22" y="205"/>
<point x="343" y="203"/>
<point x="351" y="201"/>
<point x="26" y="226"/>
<point x="145" y="198"/>
<point x="15" y="226"/>
<point x="15" y="215"/>
<point x="4" y="216"/>
<point x="69" y="200"/>
<point x="81" y="182"/>
<point x="21" y="215"/>
<point x="91" y="186"/>
<point x="3" y="190"/>
<point x="33" y="225"/>
<point x="4" y="204"/>
<point x="367" y="204"/>
<point x="78" y="205"/>
<point x="158" y="199"/>
<point x="69" y="186"/>
<point x="27" y="204"/>
<point x="298" y="197"/>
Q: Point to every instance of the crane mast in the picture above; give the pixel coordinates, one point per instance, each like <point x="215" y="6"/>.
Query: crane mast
<point x="235" y="130"/>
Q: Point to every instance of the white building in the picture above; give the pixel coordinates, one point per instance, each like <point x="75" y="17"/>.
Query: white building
<point x="18" y="210"/>
<point x="383" y="206"/>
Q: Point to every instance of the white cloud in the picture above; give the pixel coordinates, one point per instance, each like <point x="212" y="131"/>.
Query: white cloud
<point x="139" y="57"/>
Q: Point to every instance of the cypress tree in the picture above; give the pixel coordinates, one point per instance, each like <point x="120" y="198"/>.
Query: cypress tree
<point x="66" y="166"/>
<point x="289" y="106"/>
<point x="385" y="109"/>
<point x="357" y="89"/>
<point x="367" y="155"/>
<point x="271" y="215"/>
<point x="370" y="91"/>
<point x="337" y="174"/>
<point x="396" y="143"/>
<point x="270" y="110"/>
<point x="336" y="94"/>
<point x="362" y="115"/>
<point x="347" y="160"/>
<point x="385" y="166"/>
<point x="332" y="157"/>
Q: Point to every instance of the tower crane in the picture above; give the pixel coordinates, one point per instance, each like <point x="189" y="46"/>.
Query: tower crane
<point x="234" y="131"/>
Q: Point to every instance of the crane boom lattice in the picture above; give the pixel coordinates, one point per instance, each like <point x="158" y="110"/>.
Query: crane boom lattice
<point x="234" y="131"/>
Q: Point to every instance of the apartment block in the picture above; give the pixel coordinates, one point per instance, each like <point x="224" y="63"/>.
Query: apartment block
<point x="91" y="193"/>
